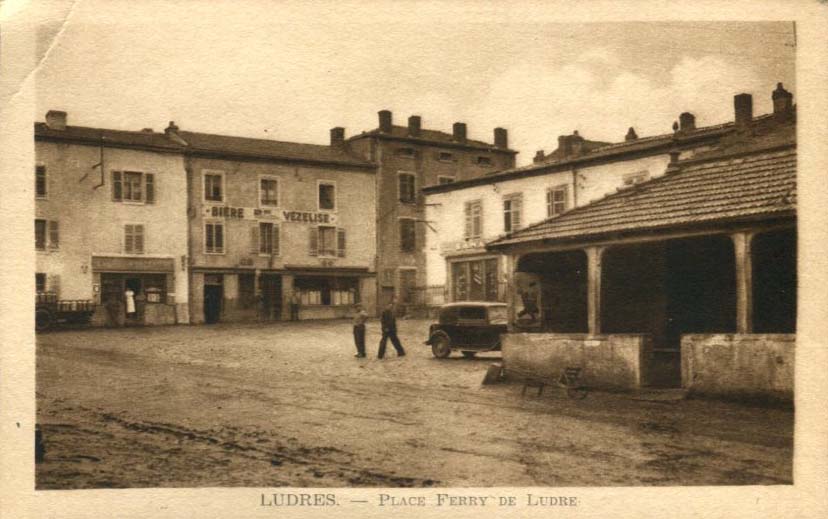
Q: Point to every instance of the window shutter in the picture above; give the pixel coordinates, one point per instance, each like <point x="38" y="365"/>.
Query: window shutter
<point x="129" y="245"/>
<point x="116" y="186"/>
<point x="54" y="284"/>
<point x="150" y="181"/>
<point x="139" y="239"/>
<point x="255" y="246"/>
<point x="468" y="220"/>
<point x="54" y="236"/>
<point x="313" y="241"/>
<point x="218" y="242"/>
<point x="276" y="237"/>
<point x="517" y="209"/>
<point x="340" y="243"/>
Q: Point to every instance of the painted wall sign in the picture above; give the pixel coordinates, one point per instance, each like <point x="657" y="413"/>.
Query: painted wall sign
<point x="257" y="213"/>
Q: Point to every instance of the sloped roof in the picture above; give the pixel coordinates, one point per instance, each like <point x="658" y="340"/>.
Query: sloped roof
<point x="94" y="136"/>
<point x="762" y="183"/>
<point x="587" y="147"/>
<point x="270" y="149"/>
<point x="430" y="136"/>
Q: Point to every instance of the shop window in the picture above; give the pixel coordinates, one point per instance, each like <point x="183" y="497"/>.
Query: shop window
<point x="327" y="291"/>
<point x="408" y="235"/>
<point x="47" y="234"/>
<point x="475" y="280"/>
<point x="327" y="196"/>
<point x="474" y="219"/>
<point x="214" y="186"/>
<point x="512" y="206"/>
<point x="133" y="186"/>
<point x="40" y="282"/>
<point x="555" y="201"/>
<point x="133" y="239"/>
<point x="269" y="192"/>
<point x="40" y="181"/>
<point x="214" y="238"/>
<point x="268" y="239"/>
<point x="442" y="180"/>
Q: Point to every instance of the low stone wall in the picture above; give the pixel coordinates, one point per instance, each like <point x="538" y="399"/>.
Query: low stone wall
<point x="742" y="366"/>
<point x="616" y="361"/>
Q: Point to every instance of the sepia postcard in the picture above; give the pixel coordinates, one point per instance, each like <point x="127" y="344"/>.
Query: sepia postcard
<point x="414" y="259"/>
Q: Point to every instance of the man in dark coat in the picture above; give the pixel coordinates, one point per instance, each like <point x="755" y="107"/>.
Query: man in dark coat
<point x="389" y="331"/>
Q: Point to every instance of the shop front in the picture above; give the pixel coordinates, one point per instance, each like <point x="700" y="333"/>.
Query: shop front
<point x="133" y="291"/>
<point x="328" y="293"/>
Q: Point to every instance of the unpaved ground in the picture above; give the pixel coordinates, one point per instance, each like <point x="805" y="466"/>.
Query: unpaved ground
<point x="287" y="404"/>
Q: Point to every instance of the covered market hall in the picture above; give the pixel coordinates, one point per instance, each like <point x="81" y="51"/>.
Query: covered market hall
<point x="686" y="280"/>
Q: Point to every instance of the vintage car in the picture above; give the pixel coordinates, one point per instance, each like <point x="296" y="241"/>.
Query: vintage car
<point x="469" y="327"/>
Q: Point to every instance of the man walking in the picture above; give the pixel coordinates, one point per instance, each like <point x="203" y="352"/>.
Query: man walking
<point x="359" y="330"/>
<point x="389" y="331"/>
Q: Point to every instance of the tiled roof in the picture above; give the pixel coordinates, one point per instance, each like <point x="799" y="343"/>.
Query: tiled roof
<point x="269" y="149"/>
<point x="608" y="152"/>
<point x="430" y="136"/>
<point x="94" y="136"/>
<point x="759" y="184"/>
<point x="587" y="146"/>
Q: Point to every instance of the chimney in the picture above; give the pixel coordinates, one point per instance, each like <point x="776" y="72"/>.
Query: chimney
<point x="501" y="138"/>
<point x="631" y="135"/>
<point x="577" y="143"/>
<point x="687" y="122"/>
<point x="385" y="121"/>
<point x="146" y="130"/>
<point x="171" y="131"/>
<point x="56" y="120"/>
<point x="538" y="157"/>
<point x="782" y="101"/>
<point x="414" y="124"/>
<point x="459" y="132"/>
<point x="564" y="146"/>
<point x="743" y="108"/>
<point x="337" y="136"/>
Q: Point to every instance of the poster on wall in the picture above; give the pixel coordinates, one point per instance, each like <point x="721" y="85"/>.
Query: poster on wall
<point x="527" y="300"/>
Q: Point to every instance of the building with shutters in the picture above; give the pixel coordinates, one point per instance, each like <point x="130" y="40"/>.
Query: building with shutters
<point x="110" y="216"/>
<point x="276" y="224"/>
<point x="467" y="214"/>
<point x="408" y="159"/>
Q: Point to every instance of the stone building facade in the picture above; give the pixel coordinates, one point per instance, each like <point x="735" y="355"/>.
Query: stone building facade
<point x="410" y="158"/>
<point x="110" y="218"/>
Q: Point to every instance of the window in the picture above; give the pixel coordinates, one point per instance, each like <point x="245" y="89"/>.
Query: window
<point x="512" y="206"/>
<point x="475" y="280"/>
<point x="445" y="180"/>
<point x="214" y="238"/>
<point x="133" y="239"/>
<point x="555" y="201"/>
<point x="406" y="153"/>
<point x="327" y="291"/>
<point x="483" y="161"/>
<point x="445" y="156"/>
<point x="133" y="186"/>
<point x="214" y="186"/>
<point x="473" y="313"/>
<point x="40" y="282"/>
<point x="46" y="233"/>
<point x="268" y="239"/>
<point x="474" y="219"/>
<point x="327" y="241"/>
<point x="40" y="181"/>
<point x="408" y="195"/>
<point x="408" y="235"/>
<point x="269" y="191"/>
<point x="635" y="178"/>
<point x="327" y="196"/>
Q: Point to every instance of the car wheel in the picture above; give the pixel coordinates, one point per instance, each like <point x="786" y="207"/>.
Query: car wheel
<point x="469" y="354"/>
<point x="441" y="346"/>
<point x="43" y="319"/>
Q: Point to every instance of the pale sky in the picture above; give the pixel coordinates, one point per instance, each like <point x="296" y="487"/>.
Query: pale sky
<point x="292" y="71"/>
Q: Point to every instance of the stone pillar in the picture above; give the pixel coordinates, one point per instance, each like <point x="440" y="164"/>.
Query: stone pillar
<point x="744" y="281"/>
<point x="594" y="255"/>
